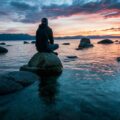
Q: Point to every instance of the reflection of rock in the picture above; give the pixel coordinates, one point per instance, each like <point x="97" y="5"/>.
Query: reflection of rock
<point x="2" y="43"/>
<point x="25" y="42"/>
<point x="14" y="81"/>
<point x="44" y="63"/>
<point x="105" y="41"/>
<point x="85" y="43"/>
<point x="33" y="42"/>
<point x="66" y="43"/>
<point x="48" y="89"/>
<point x="3" y="50"/>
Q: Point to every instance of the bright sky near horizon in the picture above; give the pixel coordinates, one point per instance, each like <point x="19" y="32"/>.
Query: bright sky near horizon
<point x="66" y="17"/>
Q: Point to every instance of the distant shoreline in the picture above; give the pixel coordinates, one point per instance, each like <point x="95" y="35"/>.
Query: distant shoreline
<point x="19" y="37"/>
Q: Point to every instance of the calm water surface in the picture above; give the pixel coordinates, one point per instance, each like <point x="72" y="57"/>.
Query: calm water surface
<point x="88" y="88"/>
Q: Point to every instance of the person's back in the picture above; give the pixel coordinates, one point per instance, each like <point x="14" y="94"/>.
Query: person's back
<point x="44" y="37"/>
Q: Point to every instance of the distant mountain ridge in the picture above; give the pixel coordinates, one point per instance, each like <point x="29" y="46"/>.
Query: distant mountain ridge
<point x="16" y="37"/>
<point x="30" y="37"/>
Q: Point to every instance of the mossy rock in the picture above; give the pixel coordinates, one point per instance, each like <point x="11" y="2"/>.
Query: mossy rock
<point x="44" y="64"/>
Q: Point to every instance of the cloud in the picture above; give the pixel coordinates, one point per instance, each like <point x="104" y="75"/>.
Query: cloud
<point x="32" y="11"/>
<point x="22" y="5"/>
<point x="112" y="29"/>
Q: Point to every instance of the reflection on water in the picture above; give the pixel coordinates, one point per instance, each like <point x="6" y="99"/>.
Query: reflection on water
<point x="88" y="88"/>
<point x="48" y="89"/>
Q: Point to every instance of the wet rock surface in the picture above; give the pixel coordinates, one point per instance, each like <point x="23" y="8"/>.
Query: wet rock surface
<point x="85" y="43"/>
<point x="105" y="41"/>
<point x="14" y="81"/>
<point x="44" y="63"/>
<point x="3" y="50"/>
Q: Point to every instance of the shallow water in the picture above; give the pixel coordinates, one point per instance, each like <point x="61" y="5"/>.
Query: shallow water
<point x="88" y="88"/>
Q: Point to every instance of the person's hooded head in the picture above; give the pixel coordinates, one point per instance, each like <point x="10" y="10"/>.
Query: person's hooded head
<point x="44" y="21"/>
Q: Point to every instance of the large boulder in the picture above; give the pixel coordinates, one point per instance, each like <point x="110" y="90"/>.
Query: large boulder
<point x="8" y="85"/>
<point x="3" y="50"/>
<point x="44" y="64"/>
<point x="85" y="43"/>
<point x="23" y="77"/>
<point x="14" y="81"/>
<point x="105" y="41"/>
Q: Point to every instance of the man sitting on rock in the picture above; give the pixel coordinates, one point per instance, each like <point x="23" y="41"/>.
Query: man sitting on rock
<point x="44" y="38"/>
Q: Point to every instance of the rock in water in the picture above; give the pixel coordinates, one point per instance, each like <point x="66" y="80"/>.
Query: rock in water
<point x="66" y="43"/>
<point x="118" y="59"/>
<point x="44" y="64"/>
<point x="14" y="81"/>
<point x="72" y="57"/>
<point x="2" y="43"/>
<point x="22" y="77"/>
<point x="25" y="42"/>
<point x="8" y="85"/>
<point x="105" y="41"/>
<point x="3" y="50"/>
<point x="33" y="42"/>
<point x="85" y="43"/>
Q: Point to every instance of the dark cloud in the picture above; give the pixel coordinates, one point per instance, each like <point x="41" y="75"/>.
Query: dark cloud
<point x="87" y="8"/>
<point x="24" y="11"/>
<point x="22" y="5"/>
<point x="112" y="29"/>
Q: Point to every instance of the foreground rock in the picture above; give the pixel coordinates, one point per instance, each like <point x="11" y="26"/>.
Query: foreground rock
<point x="85" y="43"/>
<point x="14" y="81"/>
<point x="105" y="41"/>
<point x="44" y="64"/>
<point x="3" y="50"/>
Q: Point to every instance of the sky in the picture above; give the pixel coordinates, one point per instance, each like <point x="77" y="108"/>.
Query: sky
<point x="66" y="17"/>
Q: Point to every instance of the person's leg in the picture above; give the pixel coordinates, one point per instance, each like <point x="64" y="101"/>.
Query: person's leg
<point x="53" y="47"/>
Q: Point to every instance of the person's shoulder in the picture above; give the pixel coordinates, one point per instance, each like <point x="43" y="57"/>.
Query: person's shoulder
<point x="49" y="28"/>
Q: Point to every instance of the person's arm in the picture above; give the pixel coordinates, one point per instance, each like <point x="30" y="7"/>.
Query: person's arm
<point x="51" y="37"/>
<point x="37" y="37"/>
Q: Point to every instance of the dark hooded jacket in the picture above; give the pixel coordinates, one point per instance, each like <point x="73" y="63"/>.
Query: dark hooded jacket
<point x="44" y="37"/>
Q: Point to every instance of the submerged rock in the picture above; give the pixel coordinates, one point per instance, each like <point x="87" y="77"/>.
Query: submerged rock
<point x="44" y="63"/>
<point x="3" y="50"/>
<point x="105" y="41"/>
<point x="85" y="43"/>
<point x="14" y="81"/>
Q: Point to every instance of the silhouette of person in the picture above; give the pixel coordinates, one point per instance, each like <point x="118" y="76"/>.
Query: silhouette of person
<point x="44" y="38"/>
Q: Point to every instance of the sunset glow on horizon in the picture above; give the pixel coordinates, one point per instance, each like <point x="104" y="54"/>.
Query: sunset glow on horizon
<point x="66" y="17"/>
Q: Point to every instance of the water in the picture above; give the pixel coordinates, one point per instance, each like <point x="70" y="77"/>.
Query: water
<point x="88" y="88"/>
